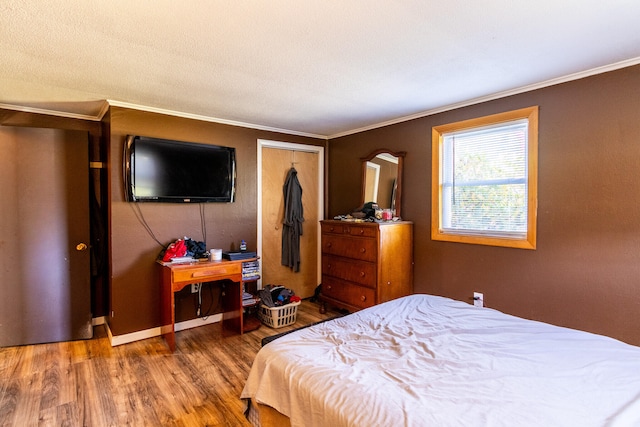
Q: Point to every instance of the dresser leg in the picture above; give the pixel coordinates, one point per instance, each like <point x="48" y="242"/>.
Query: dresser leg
<point x="323" y="307"/>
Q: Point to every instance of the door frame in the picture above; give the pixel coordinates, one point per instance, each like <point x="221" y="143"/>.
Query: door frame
<point x="265" y="143"/>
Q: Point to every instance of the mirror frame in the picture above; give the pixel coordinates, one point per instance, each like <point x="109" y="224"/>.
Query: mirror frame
<point x="400" y="155"/>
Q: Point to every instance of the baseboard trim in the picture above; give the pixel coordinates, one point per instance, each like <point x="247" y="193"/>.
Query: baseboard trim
<point x="117" y="340"/>
<point x="200" y="321"/>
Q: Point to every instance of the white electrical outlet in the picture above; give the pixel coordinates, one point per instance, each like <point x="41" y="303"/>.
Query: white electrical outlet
<point x="478" y="299"/>
<point x="195" y="287"/>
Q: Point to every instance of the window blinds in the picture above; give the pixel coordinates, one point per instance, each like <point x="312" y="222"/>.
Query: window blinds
<point x="484" y="180"/>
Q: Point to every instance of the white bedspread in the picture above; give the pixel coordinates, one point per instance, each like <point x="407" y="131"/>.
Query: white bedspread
<point x="431" y="361"/>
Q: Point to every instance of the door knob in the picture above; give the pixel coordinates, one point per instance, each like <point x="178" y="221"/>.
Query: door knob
<point x="81" y="247"/>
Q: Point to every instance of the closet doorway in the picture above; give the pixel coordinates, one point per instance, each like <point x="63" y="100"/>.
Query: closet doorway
<point x="274" y="161"/>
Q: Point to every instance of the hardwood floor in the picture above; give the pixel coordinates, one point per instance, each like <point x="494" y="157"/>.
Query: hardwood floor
<point x="90" y="383"/>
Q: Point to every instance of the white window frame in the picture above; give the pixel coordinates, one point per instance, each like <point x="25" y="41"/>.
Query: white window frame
<point x="505" y="239"/>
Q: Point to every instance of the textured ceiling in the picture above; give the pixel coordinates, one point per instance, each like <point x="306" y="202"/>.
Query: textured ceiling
<point x="321" y="68"/>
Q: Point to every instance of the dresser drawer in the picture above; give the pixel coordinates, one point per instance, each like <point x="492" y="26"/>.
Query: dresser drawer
<point x="206" y="271"/>
<point x="361" y="230"/>
<point x="350" y="228"/>
<point x="332" y="228"/>
<point x="361" y="272"/>
<point x="350" y="247"/>
<point x="351" y="294"/>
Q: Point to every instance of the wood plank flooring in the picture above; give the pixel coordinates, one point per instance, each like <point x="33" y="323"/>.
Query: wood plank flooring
<point x="90" y="383"/>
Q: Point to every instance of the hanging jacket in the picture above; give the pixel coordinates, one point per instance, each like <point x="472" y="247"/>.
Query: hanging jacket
<point x="292" y="221"/>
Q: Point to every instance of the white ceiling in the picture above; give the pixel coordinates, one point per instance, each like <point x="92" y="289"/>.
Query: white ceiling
<point x="321" y="68"/>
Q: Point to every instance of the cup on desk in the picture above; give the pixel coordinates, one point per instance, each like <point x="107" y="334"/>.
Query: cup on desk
<point x="215" y="254"/>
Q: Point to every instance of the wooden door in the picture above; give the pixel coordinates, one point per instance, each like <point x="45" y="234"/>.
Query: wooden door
<point x="275" y="166"/>
<point x="45" y="293"/>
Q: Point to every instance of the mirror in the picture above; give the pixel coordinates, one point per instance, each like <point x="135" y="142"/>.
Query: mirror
<point x="382" y="179"/>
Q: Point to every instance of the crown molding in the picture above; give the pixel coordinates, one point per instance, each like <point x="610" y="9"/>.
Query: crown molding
<point x="211" y="119"/>
<point x="55" y="113"/>
<point x="497" y="95"/>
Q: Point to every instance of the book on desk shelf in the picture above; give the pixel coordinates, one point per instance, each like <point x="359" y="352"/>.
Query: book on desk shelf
<point x="248" y="299"/>
<point x="251" y="270"/>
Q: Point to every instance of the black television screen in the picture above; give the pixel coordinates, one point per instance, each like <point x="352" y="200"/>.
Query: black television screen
<point x="160" y="170"/>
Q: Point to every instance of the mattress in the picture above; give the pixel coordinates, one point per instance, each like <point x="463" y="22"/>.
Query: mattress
<point x="427" y="360"/>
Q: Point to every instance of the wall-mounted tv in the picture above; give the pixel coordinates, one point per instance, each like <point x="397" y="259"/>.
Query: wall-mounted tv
<point x="160" y="170"/>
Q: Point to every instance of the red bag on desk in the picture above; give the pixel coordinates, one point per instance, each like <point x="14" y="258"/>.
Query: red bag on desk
<point x="177" y="248"/>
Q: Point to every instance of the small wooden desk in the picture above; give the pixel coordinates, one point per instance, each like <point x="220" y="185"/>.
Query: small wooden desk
<point x="176" y="276"/>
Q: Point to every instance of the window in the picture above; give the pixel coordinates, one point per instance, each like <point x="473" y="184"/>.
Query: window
<point x="485" y="180"/>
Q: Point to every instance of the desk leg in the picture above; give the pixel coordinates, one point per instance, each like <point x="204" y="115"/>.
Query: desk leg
<point x="167" y="312"/>
<point x="232" y="306"/>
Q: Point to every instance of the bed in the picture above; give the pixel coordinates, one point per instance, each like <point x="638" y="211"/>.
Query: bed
<point x="427" y="360"/>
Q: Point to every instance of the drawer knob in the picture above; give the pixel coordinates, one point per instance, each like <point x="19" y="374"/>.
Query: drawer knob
<point x="362" y="274"/>
<point x="328" y="286"/>
<point x="361" y="231"/>
<point x="363" y="298"/>
<point x="331" y="229"/>
<point x="329" y="244"/>
<point x="363" y="250"/>
<point x="328" y="266"/>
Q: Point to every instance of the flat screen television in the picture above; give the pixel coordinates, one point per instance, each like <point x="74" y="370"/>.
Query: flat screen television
<point x="160" y="170"/>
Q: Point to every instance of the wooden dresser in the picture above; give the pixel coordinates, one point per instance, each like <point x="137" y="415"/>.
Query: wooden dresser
<point x="365" y="263"/>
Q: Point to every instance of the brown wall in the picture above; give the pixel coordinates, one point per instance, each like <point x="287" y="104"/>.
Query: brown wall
<point x="134" y="275"/>
<point x="585" y="273"/>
